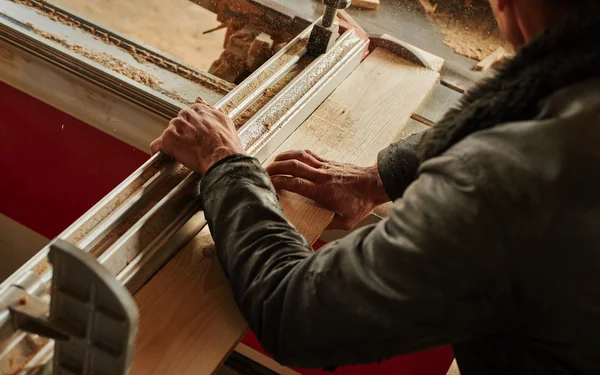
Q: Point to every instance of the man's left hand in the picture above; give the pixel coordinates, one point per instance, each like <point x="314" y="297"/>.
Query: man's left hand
<point x="199" y="137"/>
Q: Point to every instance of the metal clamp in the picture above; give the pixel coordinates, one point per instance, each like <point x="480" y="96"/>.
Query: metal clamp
<point x="92" y="317"/>
<point x="326" y="32"/>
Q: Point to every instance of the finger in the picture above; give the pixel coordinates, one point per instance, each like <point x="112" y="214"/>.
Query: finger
<point x="296" y="168"/>
<point x="169" y="140"/>
<point x="187" y="114"/>
<point x="317" y="157"/>
<point x="199" y="100"/>
<point x="296" y="185"/>
<point x="180" y="125"/>
<point x="340" y="223"/>
<point x="210" y="112"/>
<point x="302" y="156"/>
<point x="156" y="146"/>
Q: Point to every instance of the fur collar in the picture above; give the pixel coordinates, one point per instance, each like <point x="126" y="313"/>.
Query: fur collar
<point x="565" y="54"/>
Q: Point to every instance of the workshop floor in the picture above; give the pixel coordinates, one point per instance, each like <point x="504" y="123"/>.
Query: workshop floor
<point x="173" y="26"/>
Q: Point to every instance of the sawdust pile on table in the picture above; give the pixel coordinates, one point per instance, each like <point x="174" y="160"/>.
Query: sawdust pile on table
<point x="172" y="26"/>
<point x="468" y="26"/>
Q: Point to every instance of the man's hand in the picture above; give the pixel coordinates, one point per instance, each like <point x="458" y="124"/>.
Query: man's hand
<point x="199" y="137"/>
<point x="349" y="191"/>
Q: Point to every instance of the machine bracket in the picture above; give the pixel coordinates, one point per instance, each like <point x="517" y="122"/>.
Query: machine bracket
<point x="91" y="316"/>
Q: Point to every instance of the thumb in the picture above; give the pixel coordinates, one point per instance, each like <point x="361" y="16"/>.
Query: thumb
<point x="156" y="146"/>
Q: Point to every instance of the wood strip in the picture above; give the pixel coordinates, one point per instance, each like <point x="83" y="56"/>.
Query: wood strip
<point x="189" y="320"/>
<point x="490" y="60"/>
<point x="454" y="370"/>
<point x="265" y="361"/>
<point x="366" y="4"/>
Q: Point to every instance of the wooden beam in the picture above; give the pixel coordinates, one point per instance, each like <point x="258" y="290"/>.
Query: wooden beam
<point x="189" y="320"/>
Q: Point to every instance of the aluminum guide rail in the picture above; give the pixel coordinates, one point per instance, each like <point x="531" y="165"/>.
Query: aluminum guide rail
<point x="162" y="195"/>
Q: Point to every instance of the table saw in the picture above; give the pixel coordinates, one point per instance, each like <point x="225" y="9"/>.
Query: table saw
<point x="126" y="89"/>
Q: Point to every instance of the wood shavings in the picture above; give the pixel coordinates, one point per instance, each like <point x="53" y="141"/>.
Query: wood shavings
<point x="42" y="267"/>
<point x="141" y="56"/>
<point x="103" y="59"/>
<point x="114" y="64"/>
<point x="272" y="91"/>
<point x="468" y="26"/>
<point x="176" y="27"/>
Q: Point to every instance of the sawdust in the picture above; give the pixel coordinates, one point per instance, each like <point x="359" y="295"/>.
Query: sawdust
<point x="140" y="54"/>
<point x="292" y="53"/>
<point x="22" y="353"/>
<point x="272" y="91"/>
<point x="107" y="61"/>
<point x="118" y="66"/>
<point x="468" y="26"/>
<point x="175" y="27"/>
<point x="42" y="267"/>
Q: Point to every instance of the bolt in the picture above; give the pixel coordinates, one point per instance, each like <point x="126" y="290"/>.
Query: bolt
<point x="329" y="17"/>
<point x="331" y="10"/>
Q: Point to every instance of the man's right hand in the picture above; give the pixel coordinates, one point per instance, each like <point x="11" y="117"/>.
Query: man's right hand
<point x="349" y="191"/>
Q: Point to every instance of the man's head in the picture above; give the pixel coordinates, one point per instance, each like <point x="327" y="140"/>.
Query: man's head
<point x="522" y="20"/>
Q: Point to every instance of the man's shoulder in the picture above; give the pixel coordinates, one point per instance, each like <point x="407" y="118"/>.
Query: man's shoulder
<point x="567" y="123"/>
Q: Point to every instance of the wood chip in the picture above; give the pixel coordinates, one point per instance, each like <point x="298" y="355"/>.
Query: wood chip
<point x="427" y="6"/>
<point x="490" y="60"/>
<point x="366" y="4"/>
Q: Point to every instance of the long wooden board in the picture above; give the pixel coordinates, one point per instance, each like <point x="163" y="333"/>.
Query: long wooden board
<point x="361" y="117"/>
<point x="189" y="320"/>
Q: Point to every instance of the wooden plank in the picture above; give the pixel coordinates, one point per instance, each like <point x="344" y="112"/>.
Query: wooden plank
<point x="366" y="4"/>
<point x="435" y="106"/>
<point x="454" y="370"/>
<point x="361" y="117"/>
<point x="265" y="361"/>
<point x="189" y="320"/>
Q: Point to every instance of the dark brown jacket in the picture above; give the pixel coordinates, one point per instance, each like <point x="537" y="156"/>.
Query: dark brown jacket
<point x="493" y="243"/>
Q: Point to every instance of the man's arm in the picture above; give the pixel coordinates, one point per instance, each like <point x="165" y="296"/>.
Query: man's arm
<point x="398" y="165"/>
<point x="433" y="273"/>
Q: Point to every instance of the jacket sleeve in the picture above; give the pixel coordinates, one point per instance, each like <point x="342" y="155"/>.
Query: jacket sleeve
<point x="431" y="274"/>
<point x="398" y="165"/>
